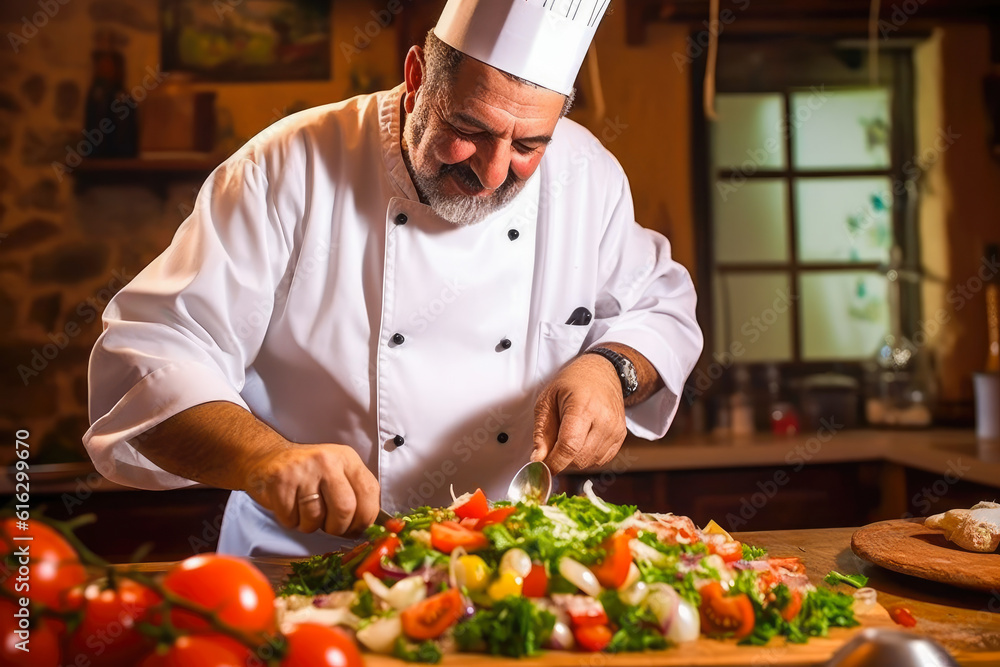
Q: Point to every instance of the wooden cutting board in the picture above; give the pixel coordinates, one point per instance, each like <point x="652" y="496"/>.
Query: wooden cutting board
<point x="701" y="653"/>
<point x="906" y="546"/>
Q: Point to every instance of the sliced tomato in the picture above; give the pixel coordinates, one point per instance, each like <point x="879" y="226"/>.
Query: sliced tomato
<point x="728" y="551"/>
<point x="792" y="564"/>
<point x="448" y="535"/>
<point x="475" y="507"/>
<point x="430" y="618"/>
<point x="583" y="610"/>
<point x="613" y="570"/>
<point x="395" y="525"/>
<point x="469" y="523"/>
<point x="536" y="584"/>
<point x="384" y="548"/>
<point x="593" y="637"/>
<point x="902" y="616"/>
<point x="496" y="515"/>
<point x="793" y="607"/>
<point x="722" y="615"/>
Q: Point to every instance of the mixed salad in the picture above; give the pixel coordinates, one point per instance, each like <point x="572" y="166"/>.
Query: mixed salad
<point x="577" y="573"/>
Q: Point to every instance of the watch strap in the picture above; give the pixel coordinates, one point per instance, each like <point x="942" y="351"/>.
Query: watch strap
<point x="623" y="367"/>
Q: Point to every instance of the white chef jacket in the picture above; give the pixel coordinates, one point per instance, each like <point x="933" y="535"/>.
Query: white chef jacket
<point x="308" y="252"/>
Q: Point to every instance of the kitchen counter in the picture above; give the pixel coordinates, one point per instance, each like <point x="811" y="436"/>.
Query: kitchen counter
<point x="967" y="623"/>
<point x="938" y="451"/>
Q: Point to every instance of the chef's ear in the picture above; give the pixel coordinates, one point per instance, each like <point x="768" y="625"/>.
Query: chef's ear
<point x="413" y="73"/>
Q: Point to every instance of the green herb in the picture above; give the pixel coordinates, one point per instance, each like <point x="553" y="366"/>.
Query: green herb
<point x="638" y="629"/>
<point x="753" y="553"/>
<point x="427" y="652"/>
<point x="514" y="627"/>
<point x="824" y="609"/>
<point x="856" y="580"/>
<point x="364" y="604"/>
<point x="322" y="574"/>
<point x="413" y="554"/>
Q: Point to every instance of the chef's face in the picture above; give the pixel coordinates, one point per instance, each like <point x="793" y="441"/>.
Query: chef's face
<point x="472" y="144"/>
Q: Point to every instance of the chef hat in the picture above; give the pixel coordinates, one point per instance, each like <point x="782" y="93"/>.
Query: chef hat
<point x="541" y="41"/>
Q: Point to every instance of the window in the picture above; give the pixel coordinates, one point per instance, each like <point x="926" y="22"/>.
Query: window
<point x="806" y="203"/>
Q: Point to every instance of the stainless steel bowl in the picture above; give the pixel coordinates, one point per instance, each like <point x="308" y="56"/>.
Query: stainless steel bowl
<point x="891" y="648"/>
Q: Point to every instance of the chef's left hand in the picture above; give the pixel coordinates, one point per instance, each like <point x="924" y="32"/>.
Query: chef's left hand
<point x="580" y="416"/>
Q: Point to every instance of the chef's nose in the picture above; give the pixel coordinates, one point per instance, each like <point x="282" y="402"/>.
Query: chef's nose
<point x="492" y="163"/>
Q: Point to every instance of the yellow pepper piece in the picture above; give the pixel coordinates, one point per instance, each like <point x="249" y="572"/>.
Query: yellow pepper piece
<point x="508" y="583"/>
<point x="477" y="572"/>
<point x="713" y="528"/>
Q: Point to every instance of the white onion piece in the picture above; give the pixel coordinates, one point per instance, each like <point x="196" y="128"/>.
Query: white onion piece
<point x="865" y="599"/>
<point x="634" y="594"/>
<point x="461" y="500"/>
<point x="588" y="490"/>
<point x="561" y="638"/>
<point x="644" y="553"/>
<point x="686" y="625"/>
<point x="376" y="586"/>
<point x="380" y="636"/>
<point x="632" y="576"/>
<point x="456" y="572"/>
<point x="517" y="561"/>
<point x="406" y="593"/>
<point x="663" y="601"/>
<point x="580" y="576"/>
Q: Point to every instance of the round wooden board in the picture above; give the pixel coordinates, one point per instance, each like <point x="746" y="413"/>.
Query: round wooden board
<point x="906" y="546"/>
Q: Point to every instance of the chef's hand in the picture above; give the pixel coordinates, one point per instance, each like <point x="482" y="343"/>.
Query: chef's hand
<point x="287" y="480"/>
<point x="580" y="415"/>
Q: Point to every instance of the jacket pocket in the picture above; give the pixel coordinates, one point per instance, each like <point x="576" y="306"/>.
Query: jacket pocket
<point x="557" y="345"/>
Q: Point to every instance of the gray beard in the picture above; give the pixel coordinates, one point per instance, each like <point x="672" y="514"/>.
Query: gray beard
<point x="459" y="210"/>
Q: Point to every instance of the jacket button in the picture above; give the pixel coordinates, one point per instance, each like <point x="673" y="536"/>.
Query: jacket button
<point x="401" y="219"/>
<point x="513" y="234"/>
<point x="398" y="338"/>
<point x="502" y="438"/>
<point x="505" y="343"/>
<point x="398" y="441"/>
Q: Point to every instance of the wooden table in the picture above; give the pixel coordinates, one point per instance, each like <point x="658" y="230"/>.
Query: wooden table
<point x="967" y="623"/>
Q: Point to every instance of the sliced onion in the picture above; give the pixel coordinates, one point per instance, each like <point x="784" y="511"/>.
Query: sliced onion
<point x="663" y="601"/>
<point x="686" y="625"/>
<point x="402" y="595"/>
<point x="517" y="561"/>
<point x="561" y="638"/>
<point x="380" y="636"/>
<point x="632" y="576"/>
<point x="865" y="599"/>
<point x="456" y="573"/>
<point x="376" y="586"/>
<point x="634" y="594"/>
<point x="588" y="490"/>
<point x="580" y="576"/>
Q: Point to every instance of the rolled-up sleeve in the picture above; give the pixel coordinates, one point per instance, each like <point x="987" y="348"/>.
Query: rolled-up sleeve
<point x="648" y="303"/>
<point x="185" y="329"/>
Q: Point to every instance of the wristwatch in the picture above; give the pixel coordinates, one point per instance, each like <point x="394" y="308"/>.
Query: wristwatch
<point x="624" y="368"/>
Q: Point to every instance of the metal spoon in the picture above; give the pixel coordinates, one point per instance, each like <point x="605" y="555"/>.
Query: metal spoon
<point x="533" y="482"/>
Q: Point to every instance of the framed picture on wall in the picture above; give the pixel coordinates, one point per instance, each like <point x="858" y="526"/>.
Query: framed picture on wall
<point x="247" y="40"/>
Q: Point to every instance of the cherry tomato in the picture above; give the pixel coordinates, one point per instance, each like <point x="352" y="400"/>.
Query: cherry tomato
<point x="395" y="525"/>
<point x="793" y="607"/>
<point x="314" y="645"/>
<point x="198" y="651"/>
<point x="233" y="588"/>
<point x="448" y="535"/>
<point x="584" y="610"/>
<point x="902" y="616"/>
<point x="536" y="584"/>
<point x="430" y="618"/>
<point x="54" y="567"/>
<point x="469" y="523"/>
<point x="43" y="640"/>
<point x="496" y="515"/>
<point x="475" y="507"/>
<point x="728" y="551"/>
<point x="384" y="548"/>
<point x="593" y="637"/>
<point x="613" y="570"/>
<point x="725" y="615"/>
<point x="107" y="634"/>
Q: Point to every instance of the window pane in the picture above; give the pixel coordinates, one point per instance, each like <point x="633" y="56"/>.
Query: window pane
<point x="841" y="129"/>
<point x="753" y="320"/>
<point x="843" y="219"/>
<point x="845" y="314"/>
<point x="751" y="220"/>
<point x="749" y="128"/>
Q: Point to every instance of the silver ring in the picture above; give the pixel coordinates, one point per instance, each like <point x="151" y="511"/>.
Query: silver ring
<point x="311" y="497"/>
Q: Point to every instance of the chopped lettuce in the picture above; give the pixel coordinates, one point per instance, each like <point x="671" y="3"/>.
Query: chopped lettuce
<point x="856" y="580"/>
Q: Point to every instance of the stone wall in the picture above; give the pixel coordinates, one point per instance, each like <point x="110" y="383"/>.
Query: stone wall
<point x="66" y="249"/>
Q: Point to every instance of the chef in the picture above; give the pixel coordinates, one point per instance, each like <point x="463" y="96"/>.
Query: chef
<point x="386" y="300"/>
